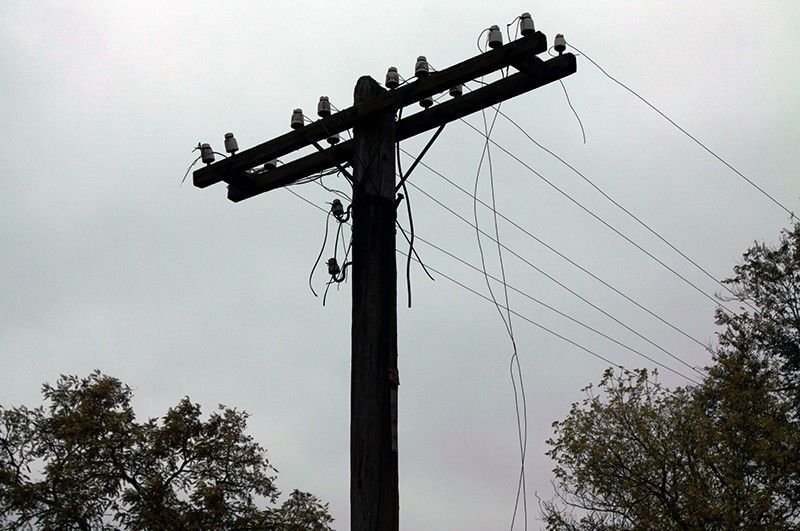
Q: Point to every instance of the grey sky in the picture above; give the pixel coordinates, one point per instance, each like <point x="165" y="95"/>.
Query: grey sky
<point x="108" y="264"/>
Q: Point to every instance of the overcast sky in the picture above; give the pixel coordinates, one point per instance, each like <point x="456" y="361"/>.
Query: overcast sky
<point x="109" y="264"/>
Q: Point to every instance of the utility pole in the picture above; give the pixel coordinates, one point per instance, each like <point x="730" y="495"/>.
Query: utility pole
<point x="374" y="496"/>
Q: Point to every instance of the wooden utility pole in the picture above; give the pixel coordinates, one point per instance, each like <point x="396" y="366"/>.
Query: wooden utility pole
<point x="374" y="497"/>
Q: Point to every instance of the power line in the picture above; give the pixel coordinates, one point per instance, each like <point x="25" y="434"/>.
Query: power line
<point x="522" y="426"/>
<point x="559" y="254"/>
<point x="486" y="298"/>
<point x="567" y="316"/>
<point x="618" y="205"/>
<point x="604" y="222"/>
<point x="687" y="133"/>
<point x="559" y="283"/>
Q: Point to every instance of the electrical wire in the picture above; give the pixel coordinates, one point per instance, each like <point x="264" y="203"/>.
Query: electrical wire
<point x="604" y="222"/>
<point x="410" y="217"/>
<point x="618" y="205"/>
<point x="185" y="175"/>
<point x="414" y="250"/>
<point x="198" y="147"/>
<point x="321" y="250"/>
<point x="559" y="283"/>
<point x="486" y="298"/>
<point x="522" y="425"/>
<point x="555" y="251"/>
<point x="569" y="102"/>
<point x="528" y="320"/>
<point x="569" y="317"/>
<point x="544" y="273"/>
<point x="686" y="133"/>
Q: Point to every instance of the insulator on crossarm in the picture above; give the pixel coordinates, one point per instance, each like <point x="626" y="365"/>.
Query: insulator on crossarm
<point x="333" y="267"/>
<point x="526" y="24"/>
<point x="271" y="164"/>
<point x="421" y="68"/>
<point x="323" y="107"/>
<point x="231" y="145"/>
<point x="206" y="153"/>
<point x="457" y="91"/>
<point x="297" y="119"/>
<point x="392" y="78"/>
<point x="426" y="101"/>
<point x="495" y="38"/>
<point x="560" y="44"/>
<point x="334" y="139"/>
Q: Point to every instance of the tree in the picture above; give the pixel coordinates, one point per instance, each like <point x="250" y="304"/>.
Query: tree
<point x="718" y="455"/>
<point x="83" y="462"/>
<point x="768" y="283"/>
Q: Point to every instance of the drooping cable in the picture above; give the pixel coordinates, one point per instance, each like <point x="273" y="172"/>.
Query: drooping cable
<point x="686" y="133"/>
<point x="569" y="102"/>
<point x="569" y="317"/>
<point x="527" y="166"/>
<point x="557" y="253"/>
<point x="410" y="217"/>
<point x="414" y="251"/>
<point x="321" y="250"/>
<point x="522" y="424"/>
<point x="557" y="282"/>
<point x="617" y="204"/>
<point x="528" y="320"/>
<point x="486" y="298"/>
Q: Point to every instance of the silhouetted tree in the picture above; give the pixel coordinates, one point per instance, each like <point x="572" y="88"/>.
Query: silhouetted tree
<point x="83" y="462"/>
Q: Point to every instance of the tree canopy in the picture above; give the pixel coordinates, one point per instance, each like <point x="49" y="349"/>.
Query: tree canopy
<point x="84" y="462"/>
<point x="719" y="455"/>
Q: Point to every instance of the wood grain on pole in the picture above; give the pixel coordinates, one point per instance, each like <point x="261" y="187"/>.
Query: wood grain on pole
<point x="374" y="493"/>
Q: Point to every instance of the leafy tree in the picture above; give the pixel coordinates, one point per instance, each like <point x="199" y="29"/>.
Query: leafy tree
<point x="83" y="462"/>
<point x="768" y="283"/>
<point x="719" y="455"/>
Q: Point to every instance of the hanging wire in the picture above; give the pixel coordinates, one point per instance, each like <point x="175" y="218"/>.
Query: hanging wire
<point x="571" y="318"/>
<point x="614" y="202"/>
<point x="414" y="250"/>
<point x="321" y="250"/>
<point x="604" y="222"/>
<point x="522" y="424"/>
<point x="569" y="102"/>
<point x="486" y="298"/>
<point x="553" y="250"/>
<point x="621" y="207"/>
<point x="687" y="133"/>
<point x="548" y="276"/>
<point x="410" y="217"/>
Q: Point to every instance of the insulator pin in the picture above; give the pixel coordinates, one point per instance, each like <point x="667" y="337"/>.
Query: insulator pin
<point x="231" y="145"/>
<point x="206" y="153"/>
<point x="495" y="38"/>
<point x="334" y="139"/>
<point x="297" y="119"/>
<point x="323" y="107"/>
<point x="271" y="164"/>
<point x="457" y="91"/>
<point x="560" y="44"/>
<point x="422" y="68"/>
<point x="526" y="24"/>
<point x="392" y="78"/>
<point x="426" y="102"/>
